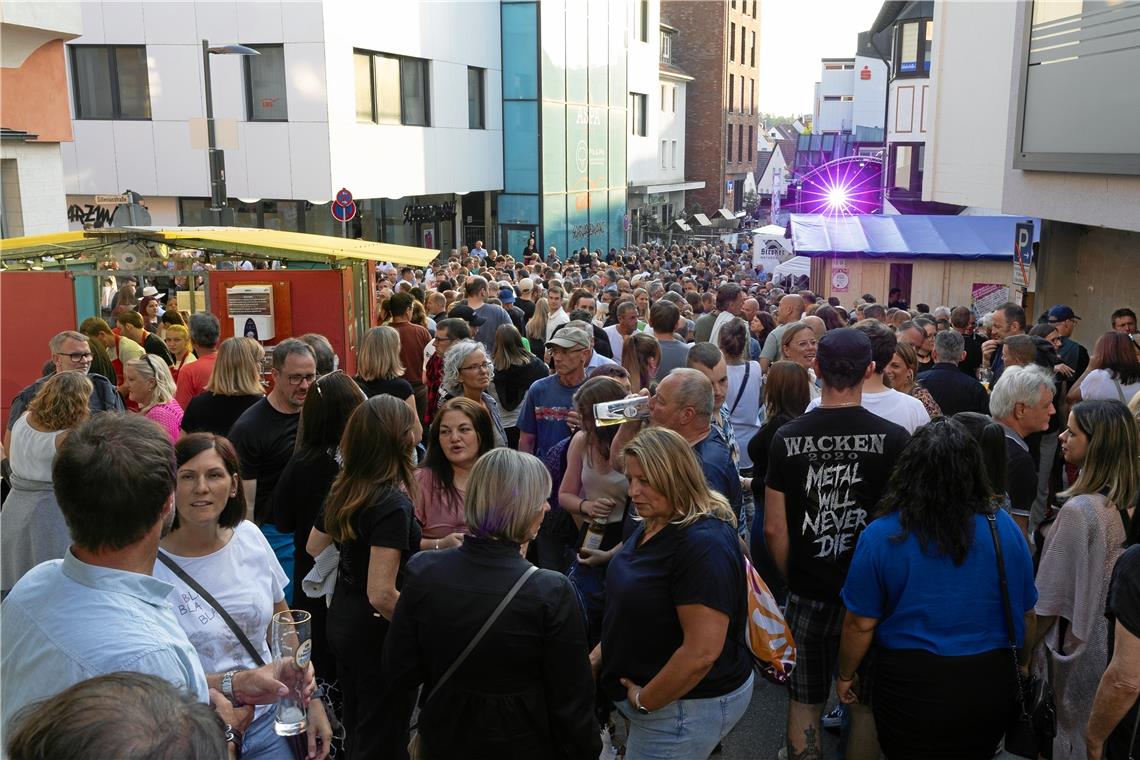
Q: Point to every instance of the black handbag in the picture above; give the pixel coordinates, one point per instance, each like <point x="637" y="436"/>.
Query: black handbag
<point x="1031" y="730"/>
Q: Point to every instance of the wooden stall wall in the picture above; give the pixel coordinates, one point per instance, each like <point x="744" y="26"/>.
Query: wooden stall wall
<point x="936" y="282"/>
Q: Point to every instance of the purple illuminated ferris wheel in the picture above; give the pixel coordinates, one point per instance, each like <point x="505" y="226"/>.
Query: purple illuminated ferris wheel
<point x="848" y="185"/>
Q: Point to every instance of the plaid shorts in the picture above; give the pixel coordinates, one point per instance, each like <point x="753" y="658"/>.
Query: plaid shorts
<point x="816" y="627"/>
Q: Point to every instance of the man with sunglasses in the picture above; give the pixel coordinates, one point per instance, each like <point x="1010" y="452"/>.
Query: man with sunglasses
<point x="69" y="353"/>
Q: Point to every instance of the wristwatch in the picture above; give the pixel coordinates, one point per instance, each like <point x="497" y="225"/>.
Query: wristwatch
<point x="233" y="736"/>
<point x="637" y="703"/>
<point x="228" y="687"/>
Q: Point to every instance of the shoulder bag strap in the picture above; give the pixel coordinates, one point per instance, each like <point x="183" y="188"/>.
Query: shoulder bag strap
<point x="482" y="631"/>
<point x="991" y="518"/>
<point x="740" y="393"/>
<point x="1119" y="390"/>
<point x="210" y="600"/>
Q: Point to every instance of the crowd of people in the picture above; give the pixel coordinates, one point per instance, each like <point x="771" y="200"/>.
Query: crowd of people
<point x="495" y="565"/>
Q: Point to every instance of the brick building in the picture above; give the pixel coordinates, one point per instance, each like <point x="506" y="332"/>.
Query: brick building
<point x="721" y="52"/>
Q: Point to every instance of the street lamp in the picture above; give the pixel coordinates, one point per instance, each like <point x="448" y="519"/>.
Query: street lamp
<point x="217" y="157"/>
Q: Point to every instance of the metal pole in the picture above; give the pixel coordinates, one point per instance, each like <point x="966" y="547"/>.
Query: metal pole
<point x="217" y="158"/>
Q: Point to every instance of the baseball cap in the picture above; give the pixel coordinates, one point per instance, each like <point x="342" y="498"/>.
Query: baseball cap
<point x="570" y="337"/>
<point x="466" y="313"/>
<point x="526" y="285"/>
<point x="1060" y="313"/>
<point x="844" y="349"/>
<point x="507" y="294"/>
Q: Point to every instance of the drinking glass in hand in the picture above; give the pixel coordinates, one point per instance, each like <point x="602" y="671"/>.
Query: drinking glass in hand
<point x="292" y="650"/>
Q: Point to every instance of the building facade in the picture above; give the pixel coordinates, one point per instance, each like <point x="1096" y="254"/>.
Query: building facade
<point x="720" y="51"/>
<point x="404" y="110"/>
<point x="834" y="96"/>
<point x="34" y="115"/>
<point x="1080" y="175"/>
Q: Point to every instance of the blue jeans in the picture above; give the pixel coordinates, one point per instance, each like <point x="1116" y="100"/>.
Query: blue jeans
<point x="688" y="729"/>
<point x="261" y="742"/>
<point x="282" y="544"/>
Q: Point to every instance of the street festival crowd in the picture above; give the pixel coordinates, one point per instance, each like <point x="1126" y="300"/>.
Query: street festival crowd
<point x="939" y="502"/>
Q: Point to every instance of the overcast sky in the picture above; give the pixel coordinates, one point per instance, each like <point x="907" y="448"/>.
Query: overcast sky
<point x="794" y="35"/>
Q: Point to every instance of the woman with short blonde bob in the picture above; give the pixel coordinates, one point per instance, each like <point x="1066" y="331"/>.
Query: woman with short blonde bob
<point x="528" y="689"/>
<point x="379" y="370"/>
<point x="177" y="339"/>
<point x="673" y="657"/>
<point x="234" y="386"/>
<point x="32" y="528"/>
<point x="150" y="385"/>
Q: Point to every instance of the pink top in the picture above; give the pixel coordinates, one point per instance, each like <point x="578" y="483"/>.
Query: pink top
<point x="169" y="415"/>
<point x="440" y="513"/>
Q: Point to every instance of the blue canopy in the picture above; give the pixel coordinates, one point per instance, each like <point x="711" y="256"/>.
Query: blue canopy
<point x="907" y="237"/>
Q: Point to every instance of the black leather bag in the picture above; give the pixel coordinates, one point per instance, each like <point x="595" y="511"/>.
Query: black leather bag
<point x="1031" y="730"/>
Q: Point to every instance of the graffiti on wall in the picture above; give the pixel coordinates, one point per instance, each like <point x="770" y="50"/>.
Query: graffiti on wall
<point x="96" y="216"/>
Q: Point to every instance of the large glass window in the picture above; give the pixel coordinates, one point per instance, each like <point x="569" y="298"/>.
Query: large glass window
<point x="901" y="165"/>
<point x="397" y="89"/>
<point x="912" y="52"/>
<point x="475" y="115"/>
<point x="111" y="82"/>
<point x="265" y="84"/>
<point x="520" y="163"/>
<point x="520" y="56"/>
<point x="637" y="114"/>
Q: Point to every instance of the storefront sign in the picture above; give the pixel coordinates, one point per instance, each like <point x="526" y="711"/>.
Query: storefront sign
<point x="985" y="297"/>
<point x="429" y="212"/>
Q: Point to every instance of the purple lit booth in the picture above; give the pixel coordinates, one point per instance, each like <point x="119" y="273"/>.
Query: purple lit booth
<point x="936" y="260"/>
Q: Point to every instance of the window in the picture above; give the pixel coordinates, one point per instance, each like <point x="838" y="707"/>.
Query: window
<point x="906" y="167"/>
<point x="848" y="98"/>
<point x="731" y="91"/>
<point x="674" y="94"/>
<point x="265" y="83"/>
<point x="739" y="142"/>
<point x="475" y="115"/>
<point x="666" y="47"/>
<point x="673" y="153"/>
<point x="752" y="57"/>
<point x="751" y="96"/>
<point x="754" y="8"/>
<point x="912" y="51"/>
<point x="742" y="94"/>
<point x="829" y="98"/>
<point x="391" y="89"/>
<point x="664" y="147"/>
<point x="662" y="97"/>
<point x="728" y="144"/>
<point x="643" y="20"/>
<point x="637" y="114"/>
<point x="732" y="42"/>
<point x="743" y="37"/>
<point x="110" y="82"/>
<point x="751" y="143"/>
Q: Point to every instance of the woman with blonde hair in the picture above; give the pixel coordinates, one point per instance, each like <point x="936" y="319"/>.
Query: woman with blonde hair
<point x="641" y="355"/>
<point x="150" y="385"/>
<point x="379" y="370"/>
<point x="369" y="516"/>
<point x="527" y="691"/>
<point x="32" y="528"/>
<point x="536" y="328"/>
<point x="177" y="339"/>
<point x="234" y="386"/>
<point x="1077" y="557"/>
<point x="672" y="655"/>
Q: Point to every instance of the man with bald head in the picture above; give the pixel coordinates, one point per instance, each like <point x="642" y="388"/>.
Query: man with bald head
<point x="791" y="309"/>
<point x="816" y="324"/>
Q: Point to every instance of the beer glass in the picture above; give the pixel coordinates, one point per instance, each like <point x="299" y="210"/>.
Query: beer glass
<point x="292" y="650"/>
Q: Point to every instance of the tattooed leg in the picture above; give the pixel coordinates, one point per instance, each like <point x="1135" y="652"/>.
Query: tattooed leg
<point x="804" y="740"/>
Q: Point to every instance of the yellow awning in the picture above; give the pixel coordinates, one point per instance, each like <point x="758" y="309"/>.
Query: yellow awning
<point x="268" y="244"/>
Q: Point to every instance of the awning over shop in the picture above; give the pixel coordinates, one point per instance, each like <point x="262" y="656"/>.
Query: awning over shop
<point x="243" y="241"/>
<point x="902" y="237"/>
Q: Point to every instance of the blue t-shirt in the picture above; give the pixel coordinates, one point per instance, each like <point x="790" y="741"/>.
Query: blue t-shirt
<point x="697" y="564"/>
<point x="924" y="601"/>
<point x="720" y="473"/>
<point x="544" y="410"/>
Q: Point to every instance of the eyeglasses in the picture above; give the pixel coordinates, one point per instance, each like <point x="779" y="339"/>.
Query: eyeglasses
<point x="79" y="356"/>
<point x="481" y="365"/>
<point x="298" y="379"/>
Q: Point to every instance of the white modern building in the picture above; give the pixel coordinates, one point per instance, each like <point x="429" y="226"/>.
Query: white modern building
<point x="400" y="104"/>
<point x="834" y="96"/>
<point x="656" y="160"/>
<point x="34" y="116"/>
<point x="1048" y="132"/>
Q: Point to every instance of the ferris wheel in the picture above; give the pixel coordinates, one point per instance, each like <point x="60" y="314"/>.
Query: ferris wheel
<point x="848" y="185"/>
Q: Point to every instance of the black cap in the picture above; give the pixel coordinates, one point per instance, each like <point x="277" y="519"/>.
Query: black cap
<point x="844" y="349"/>
<point x="466" y="313"/>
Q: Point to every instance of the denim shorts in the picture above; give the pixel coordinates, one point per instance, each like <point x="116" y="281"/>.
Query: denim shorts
<point x="688" y="729"/>
<point x="261" y="742"/>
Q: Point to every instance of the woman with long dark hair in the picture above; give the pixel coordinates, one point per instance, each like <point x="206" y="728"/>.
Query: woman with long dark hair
<point x="1077" y="557"/>
<point x="304" y="485"/>
<point x="460" y="433"/>
<point x="921" y="569"/>
<point x="369" y="516"/>
<point x="516" y="369"/>
<point x="1114" y="371"/>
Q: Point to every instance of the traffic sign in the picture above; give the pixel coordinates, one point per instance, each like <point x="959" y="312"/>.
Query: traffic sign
<point x="112" y="200"/>
<point x="344" y="213"/>
<point x="1022" y="253"/>
<point x="343" y="197"/>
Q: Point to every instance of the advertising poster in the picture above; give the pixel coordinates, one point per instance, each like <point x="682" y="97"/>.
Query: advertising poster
<point x="985" y="297"/>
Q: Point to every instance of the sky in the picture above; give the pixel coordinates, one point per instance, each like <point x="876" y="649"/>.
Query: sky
<point x="794" y="35"/>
